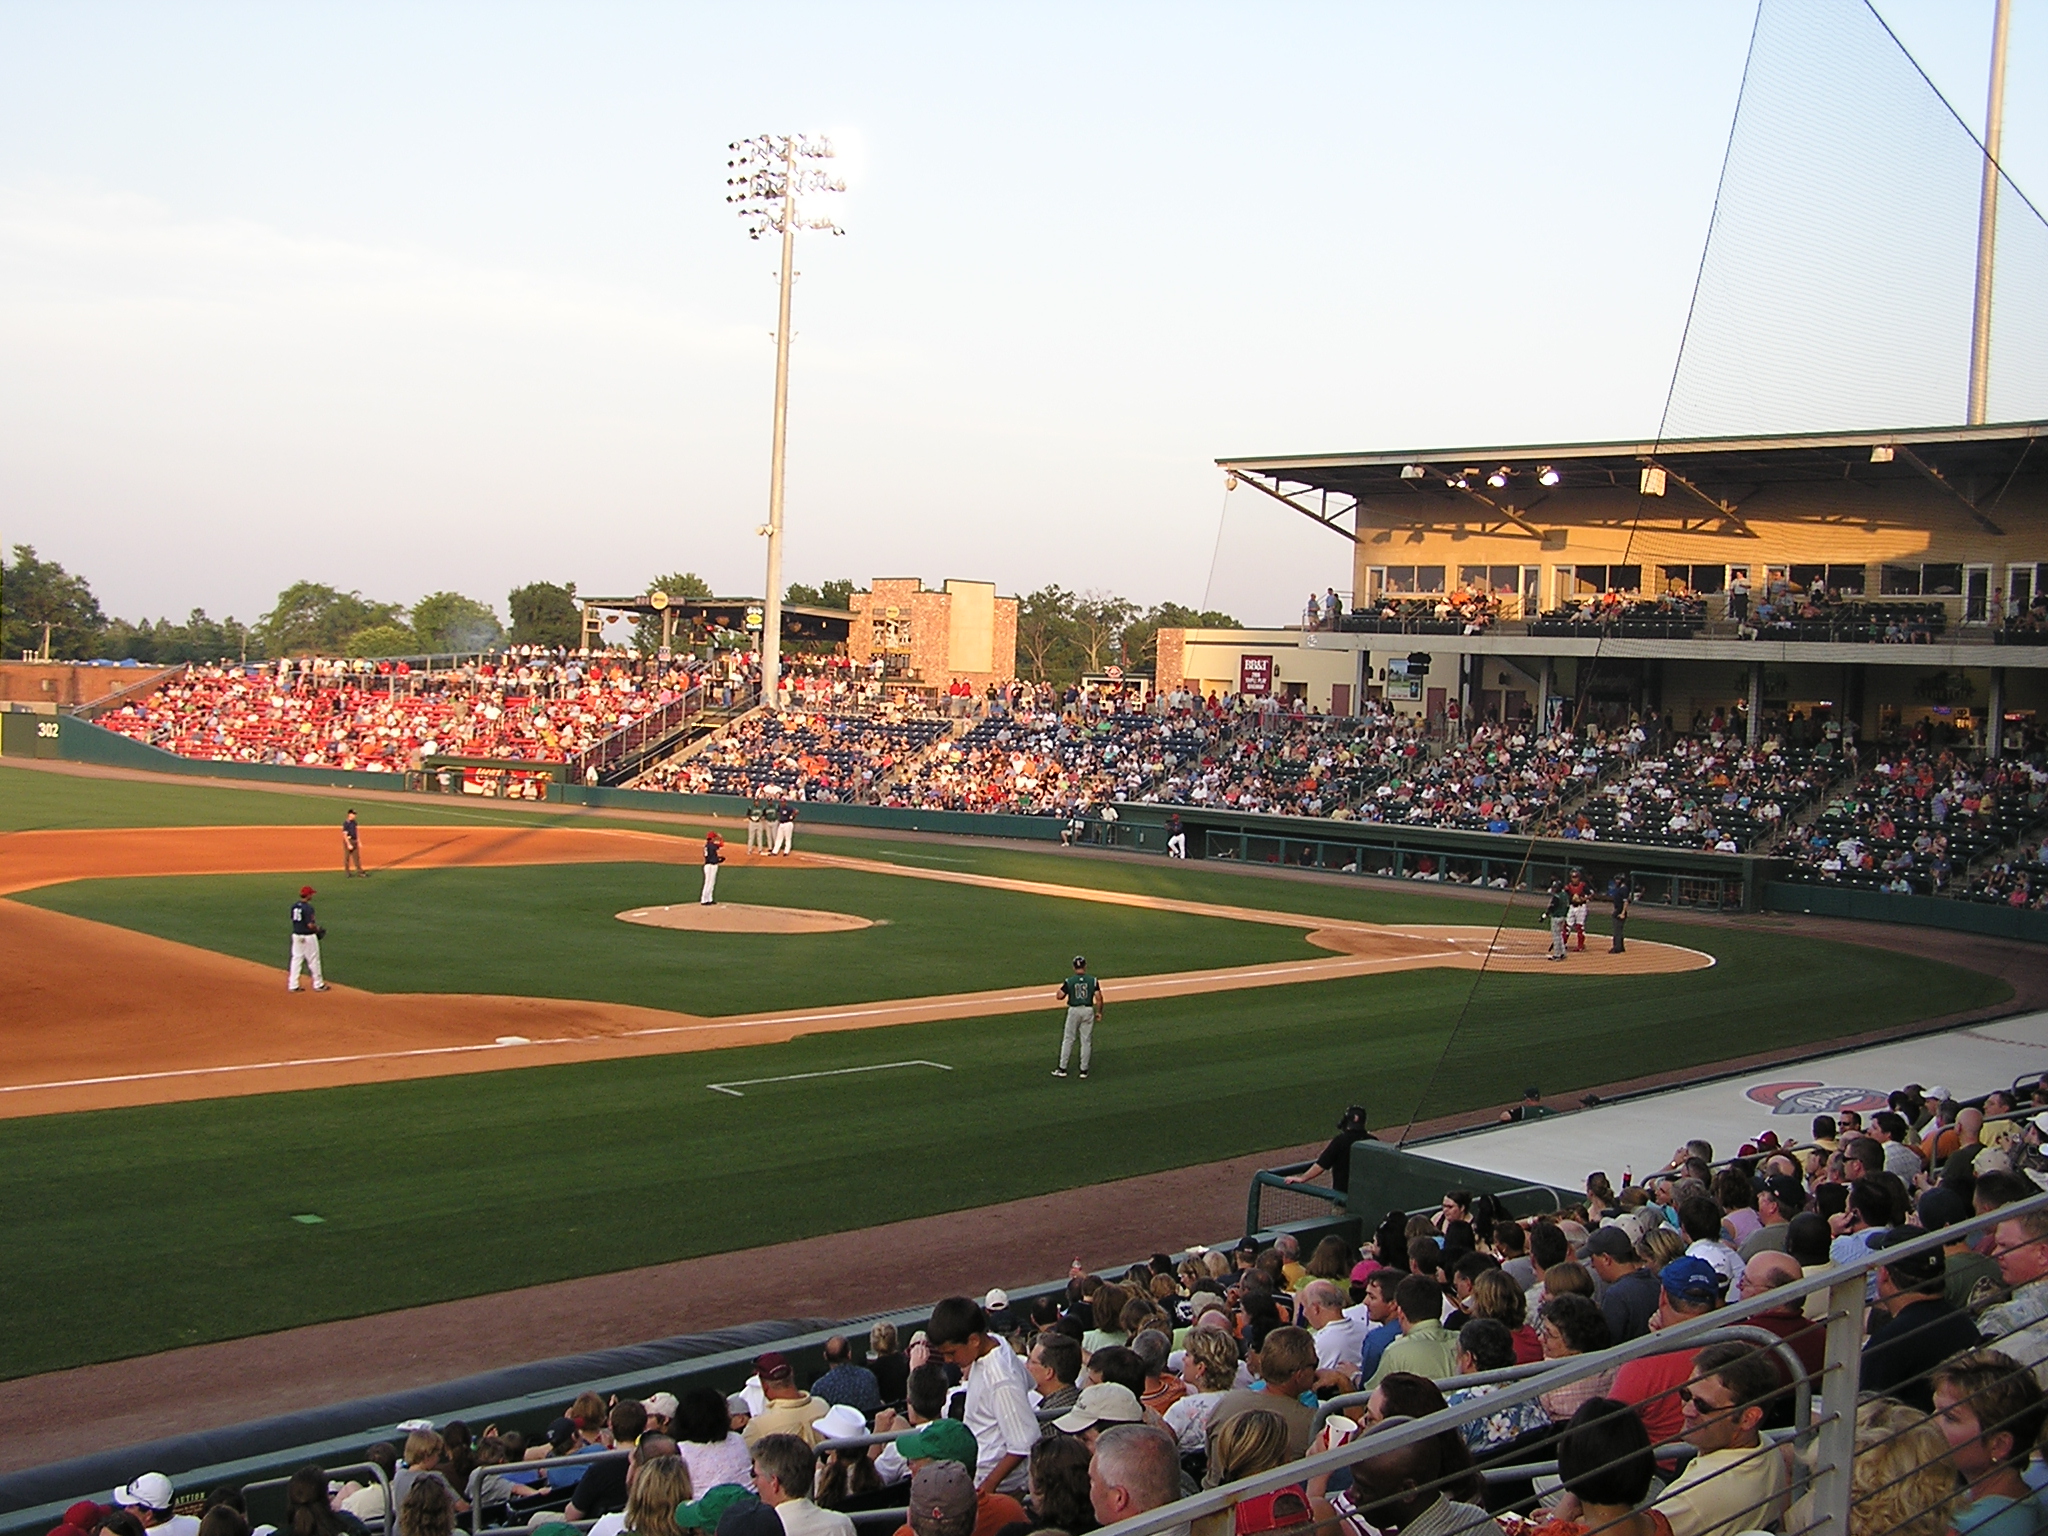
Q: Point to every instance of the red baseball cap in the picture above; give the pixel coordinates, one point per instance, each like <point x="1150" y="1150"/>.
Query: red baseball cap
<point x="305" y="890"/>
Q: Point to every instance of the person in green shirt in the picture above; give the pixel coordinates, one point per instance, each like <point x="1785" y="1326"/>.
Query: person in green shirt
<point x="1556" y="912"/>
<point x="1083" y="994"/>
<point x="1425" y="1347"/>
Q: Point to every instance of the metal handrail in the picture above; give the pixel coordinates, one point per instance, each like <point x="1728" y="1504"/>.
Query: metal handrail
<point x="1833" y="1429"/>
<point x="585" y="1459"/>
<point x="1802" y="1388"/>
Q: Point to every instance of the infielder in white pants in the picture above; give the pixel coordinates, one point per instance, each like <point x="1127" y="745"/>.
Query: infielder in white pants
<point x="1083" y="994"/>
<point x="785" y="826"/>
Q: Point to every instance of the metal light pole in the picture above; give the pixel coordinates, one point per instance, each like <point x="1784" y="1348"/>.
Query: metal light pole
<point x="769" y="176"/>
<point x="1987" y="224"/>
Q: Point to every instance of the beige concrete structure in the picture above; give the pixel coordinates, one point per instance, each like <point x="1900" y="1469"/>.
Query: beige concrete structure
<point x="962" y="630"/>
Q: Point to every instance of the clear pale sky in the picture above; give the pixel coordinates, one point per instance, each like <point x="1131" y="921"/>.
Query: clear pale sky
<point x="408" y="297"/>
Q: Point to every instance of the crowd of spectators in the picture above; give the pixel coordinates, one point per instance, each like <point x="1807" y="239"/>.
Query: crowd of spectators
<point x="1124" y="1392"/>
<point x="832" y="758"/>
<point x="386" y="717"/>
<point x="1711" y="792"/>
<point x="1917" y="818"/>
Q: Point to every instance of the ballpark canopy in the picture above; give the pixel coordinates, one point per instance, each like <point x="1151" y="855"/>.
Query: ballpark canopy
<point x="798" y="622"/>
<point x="1976" y="466"/>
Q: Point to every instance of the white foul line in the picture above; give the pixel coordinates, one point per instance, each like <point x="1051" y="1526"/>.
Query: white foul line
<point x="737" y="1084"/>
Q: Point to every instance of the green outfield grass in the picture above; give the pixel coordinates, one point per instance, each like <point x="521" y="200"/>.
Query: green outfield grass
<point x="138" y="1230"/>
<point x="550" y="931"/>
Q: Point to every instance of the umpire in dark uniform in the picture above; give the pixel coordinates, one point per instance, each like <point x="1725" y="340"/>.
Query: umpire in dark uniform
<point x="1618" y="893"/>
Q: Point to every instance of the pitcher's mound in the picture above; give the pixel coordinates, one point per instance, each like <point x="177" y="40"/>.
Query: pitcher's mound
<point x="736" y="917"/>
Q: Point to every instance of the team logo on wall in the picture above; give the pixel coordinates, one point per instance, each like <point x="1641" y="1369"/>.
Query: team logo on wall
<point x="1816" y="1098"/>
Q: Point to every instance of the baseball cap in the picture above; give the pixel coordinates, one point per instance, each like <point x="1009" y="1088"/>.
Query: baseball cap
<point x="942" y="1491"/>
<point x="1080" y="961"/>
<point x="773" y="1364"/>
<point x="84" y="1514"/>
<point x="1941" y="1207"/>
<point x="738" y="1403"/>
<point x="943" y="1440"/>
<point x="1937" y="1093"/>
<point x="750" y="1517"/>
<point x="1610" y="1242"/>
<point x="1690" y="1279"/>
<point x="703" y="1513"/>
<point x="2041" y="1122"/>
<point x="995" y="1300"/>
<point x="412" y="1426"/>
<point x="305" y="890"/>
<point x="1106" y="1402"/>
<point x="1786" y="1190"/>
<point x="662" y="1405"/>
<point x="152" y="1490"/>
<point x="1915" y="1269"/>
<point x="842" y="1421"/>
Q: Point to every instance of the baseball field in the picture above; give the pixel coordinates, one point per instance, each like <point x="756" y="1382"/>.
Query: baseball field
<point x="508" y="1084"/>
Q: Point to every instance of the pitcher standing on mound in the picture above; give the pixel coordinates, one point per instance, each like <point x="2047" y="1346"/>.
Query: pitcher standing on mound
<point x="1084" y="1011"/>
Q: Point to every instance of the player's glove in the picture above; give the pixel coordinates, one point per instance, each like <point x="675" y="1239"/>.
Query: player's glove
<point x="319" y="933"/>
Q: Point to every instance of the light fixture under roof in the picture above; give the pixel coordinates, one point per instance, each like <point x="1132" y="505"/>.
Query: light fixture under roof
<point x="1881" y="454"/>
<point x="1652" y="481"/>
<point x="1499" y="478"/>
<point x="1547" y="476"/>
<point x="1411" y="471"/>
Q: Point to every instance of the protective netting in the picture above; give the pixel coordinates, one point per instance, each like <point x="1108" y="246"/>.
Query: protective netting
<point x="1837" y="288"/>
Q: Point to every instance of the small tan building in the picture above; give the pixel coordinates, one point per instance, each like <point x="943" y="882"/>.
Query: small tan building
<point x="961" y="630"/>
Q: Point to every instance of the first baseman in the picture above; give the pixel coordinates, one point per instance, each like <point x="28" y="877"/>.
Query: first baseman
<point x="306" y="936"/>
<point x="1084" y="1011"/>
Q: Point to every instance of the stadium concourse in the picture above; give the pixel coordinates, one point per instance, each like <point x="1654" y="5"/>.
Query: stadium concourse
<point x="1847" y="1312"/>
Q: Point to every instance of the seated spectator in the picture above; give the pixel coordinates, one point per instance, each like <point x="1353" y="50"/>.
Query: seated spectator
<point x="1338" y="1336"/>
<point x="784" y="1467"/>
<point x="1054" y="1366"/>
<point x="1425" y="1348"/>
<point x="1605" y="1462"/>
<point x="890" y="1365"/>
<point x="941" y="1501"/>
<point x="365" y="1501"/>
<point x="1495" y="1296"/>
<point x="928" y="1390"/>
<point x="1768" y="1272"/>
<point x="2019" y="1327"/>
<point x="657" y="1484"/>
<point x="1728" y="1487"/>
<point x="1629" y="1291"/>
<point x="1915" y="1329"/>
<point x="1990" y="1412"/>
<point x="1102" y="1407"/>
<point x="1687" y="1288"/>
<point x="949" y="1441"/>
<point x="1484" y="1344"/>
<point x="1572" y="1325"/>
<point x="428" y="1508"/>
<point x="1699" y="1217"/>
<point x="1135" y="1468"/>
<point x="1209" y="1368"/>
<point x="846" y="1382"/>
<point x="787" y="1409"/>
<point x="1403" y="1490"/>
<point x="1779" y="1198"/>
<point x="1899" y="1482"/>
<point x="308" y="1510"/>
<point x="1058" y="1482"/>
<point x="1245" y="1445"/>
<point x="602" y="1490"/>
<point x="713" y="1452"/>
<point x="1162" y="1388"/>
<point x="148" y="1502"/>
<point x="1287" y="1373"/>
<point x="425" y="1454"/>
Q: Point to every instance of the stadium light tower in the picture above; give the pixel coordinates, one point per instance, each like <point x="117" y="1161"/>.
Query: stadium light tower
<point x="1987" y="225"/>
<point x="771" y="173"/>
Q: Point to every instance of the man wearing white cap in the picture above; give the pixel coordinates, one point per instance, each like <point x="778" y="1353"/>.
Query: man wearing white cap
<point x="148" y="1499"/>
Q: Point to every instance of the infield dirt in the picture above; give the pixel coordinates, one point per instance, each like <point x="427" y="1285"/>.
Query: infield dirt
<point x="145" y="1020"/>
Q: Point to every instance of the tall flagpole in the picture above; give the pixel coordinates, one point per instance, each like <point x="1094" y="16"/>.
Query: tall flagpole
<point x="1987" y="224"/>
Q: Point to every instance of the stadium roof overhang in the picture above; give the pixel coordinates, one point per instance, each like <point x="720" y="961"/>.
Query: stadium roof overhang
<point x="1705" y="481"/>
<point x="798" y="622"/>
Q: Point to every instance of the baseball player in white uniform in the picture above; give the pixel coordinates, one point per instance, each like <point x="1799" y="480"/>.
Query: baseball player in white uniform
<point x="785" y="824"/>
<point x="306" y="933"/>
